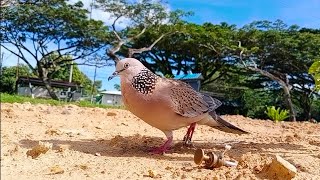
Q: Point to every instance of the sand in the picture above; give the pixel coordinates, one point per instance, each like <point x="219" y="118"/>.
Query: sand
<point x="96" y="143"/>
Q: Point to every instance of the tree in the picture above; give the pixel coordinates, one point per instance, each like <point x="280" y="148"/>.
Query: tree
<point x="197" y="48"/>
<point x="78" y="77"/>
<point x="40" y="28"/>
<point x="117" y="87"/>
<point x="9" y="77"/>
<point x="282" y="54"/>
<point x="139" y="16"/>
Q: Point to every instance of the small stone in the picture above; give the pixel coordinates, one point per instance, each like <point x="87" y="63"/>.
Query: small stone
<point x="41" y="148"/>
<point x="111" y="114"/>
<point x="97" y="154"/>
<point x="56" y="170"/>
<point x="53" y="132"/>
<point x="152" y="174"/>
<point x="83" y="167"/>
<point x="65" y="111"/>
<point x="124" y="124"/>
<point x="279" y="168"/>
<point x="63" y="148"/>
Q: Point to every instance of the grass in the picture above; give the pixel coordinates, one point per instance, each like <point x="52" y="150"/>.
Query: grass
<point x="9" y="98"/>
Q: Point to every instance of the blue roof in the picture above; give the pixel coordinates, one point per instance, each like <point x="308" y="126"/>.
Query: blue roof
<point x="189" y="76"/>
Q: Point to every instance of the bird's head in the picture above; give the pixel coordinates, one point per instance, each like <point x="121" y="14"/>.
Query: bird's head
<point x="127" y="67"/>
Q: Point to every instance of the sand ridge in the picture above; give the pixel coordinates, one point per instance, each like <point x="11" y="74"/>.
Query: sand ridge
<point x="97" y="143"/>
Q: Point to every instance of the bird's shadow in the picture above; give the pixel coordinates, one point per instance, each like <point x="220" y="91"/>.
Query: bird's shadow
<point x="138" y="146"/>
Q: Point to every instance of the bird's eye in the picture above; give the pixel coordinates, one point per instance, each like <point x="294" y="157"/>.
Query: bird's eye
<point x="126" y="65"/>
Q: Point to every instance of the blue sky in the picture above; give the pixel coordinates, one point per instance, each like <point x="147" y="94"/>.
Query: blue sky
<point x="239" y="12"/>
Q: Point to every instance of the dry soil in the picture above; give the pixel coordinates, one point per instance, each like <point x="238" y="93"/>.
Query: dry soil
<point x="96" y="143"/>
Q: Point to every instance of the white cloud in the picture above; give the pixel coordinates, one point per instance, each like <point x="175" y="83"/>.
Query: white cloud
<point x="105" y="17"/>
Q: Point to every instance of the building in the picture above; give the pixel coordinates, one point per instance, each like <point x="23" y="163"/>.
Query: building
<point x="34" y="87"/>
<point x="111" y="98"/>
<point x="194" y="80"/>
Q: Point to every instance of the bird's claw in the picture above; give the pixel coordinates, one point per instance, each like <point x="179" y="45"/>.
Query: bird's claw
<point x="187" y="141"/>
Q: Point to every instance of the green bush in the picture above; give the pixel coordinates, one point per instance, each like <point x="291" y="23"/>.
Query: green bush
<point x="315" y="110"/>
<point x="277" y="114"/>
<point x="315" y="71"/>
<point x="255" y="102"/>
<point x="8" y="77"/>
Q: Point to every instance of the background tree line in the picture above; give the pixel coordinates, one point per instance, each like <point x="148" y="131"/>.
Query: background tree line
<point x="249" y="68"/>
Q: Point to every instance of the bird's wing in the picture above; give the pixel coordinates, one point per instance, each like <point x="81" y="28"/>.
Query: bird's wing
<point x="213" y="103"/>
<point x="188" y="102"/>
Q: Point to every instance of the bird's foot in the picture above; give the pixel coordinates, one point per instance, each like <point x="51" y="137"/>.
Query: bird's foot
<point x="187" y="142"/>
<point x="162" y="149"/>
<point x="158" y="150"/>
<point x="187" y="138"/>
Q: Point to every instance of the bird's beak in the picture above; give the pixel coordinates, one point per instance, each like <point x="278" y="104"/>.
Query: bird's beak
<point x="113" y="75"/>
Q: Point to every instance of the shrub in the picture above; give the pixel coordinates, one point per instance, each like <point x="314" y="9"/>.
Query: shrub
<point x="315" y="71"/>
<point x="255" y="102"/>
<point x="277" y="114"/>
<point x="315" y="110"/>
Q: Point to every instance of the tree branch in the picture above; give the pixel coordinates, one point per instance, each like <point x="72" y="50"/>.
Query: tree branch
<point x="209" y="46"/>
<point x="22" y="57"/>
<point x="141" y="50"/>
<point x="138" y="35"/>
<point x="114" y="28"/>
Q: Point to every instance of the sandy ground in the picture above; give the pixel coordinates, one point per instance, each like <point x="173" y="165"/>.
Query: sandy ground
<point x="96" y="143"/>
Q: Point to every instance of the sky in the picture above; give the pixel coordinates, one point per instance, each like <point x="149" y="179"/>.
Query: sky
<point x="305" y="13"/>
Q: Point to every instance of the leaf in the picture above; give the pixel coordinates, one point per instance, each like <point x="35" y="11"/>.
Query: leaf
<point x="276" y="114"/>
<point x="315" y="71"/>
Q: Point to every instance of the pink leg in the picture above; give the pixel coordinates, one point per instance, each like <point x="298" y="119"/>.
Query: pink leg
<point x="162" y="149"/>
<point x="187" y="138"/>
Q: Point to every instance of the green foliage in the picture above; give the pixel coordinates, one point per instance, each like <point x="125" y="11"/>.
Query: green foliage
<point x="210" y="49"/>
<point x="277" y="114"/>
<point x="7" y="98"/>
<point x="213" y="50"/>
<point x="50" y="33"/>
<point x="315" y="71"/>
<point x="77" y="77"/>
<point x="315" y="110"/>
<point x="255" y="101"/>
<point x="8" y="77"/>
<point x="117" y="87"/>
<point x="141" y="13"/>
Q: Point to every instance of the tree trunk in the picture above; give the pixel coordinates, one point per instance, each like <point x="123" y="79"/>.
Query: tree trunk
<point x="287" y="97"/>
<point x="43" y="75"/>
<point x="51" y="92"/>
<point x="285" y="87"/>
<point x="306" y="101"/>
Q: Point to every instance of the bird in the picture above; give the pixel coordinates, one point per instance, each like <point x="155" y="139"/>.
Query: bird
<point x="167" y="104"/>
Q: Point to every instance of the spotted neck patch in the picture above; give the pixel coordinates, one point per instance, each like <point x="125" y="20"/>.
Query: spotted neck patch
<point x="145" y="81"/>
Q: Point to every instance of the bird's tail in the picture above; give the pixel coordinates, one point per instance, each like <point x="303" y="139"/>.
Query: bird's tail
<point x="223" y="125"/>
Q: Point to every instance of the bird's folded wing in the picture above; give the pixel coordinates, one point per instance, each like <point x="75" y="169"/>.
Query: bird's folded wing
<point x="213" y="103"/>
<point x="186" y="101"/>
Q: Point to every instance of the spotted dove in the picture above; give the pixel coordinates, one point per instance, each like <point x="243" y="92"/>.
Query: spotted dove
<point x="167" y="104"/>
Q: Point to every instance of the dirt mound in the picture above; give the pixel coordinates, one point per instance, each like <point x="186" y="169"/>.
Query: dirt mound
<point x="96" y="143"/>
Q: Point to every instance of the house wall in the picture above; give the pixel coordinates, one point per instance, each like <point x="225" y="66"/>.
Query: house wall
<point x="43" y="92"/>
<point x="112" y="99"/>
<point x="37" y="91"/>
